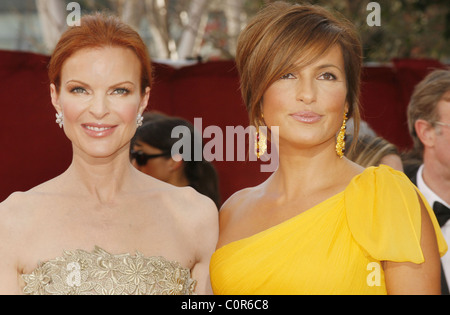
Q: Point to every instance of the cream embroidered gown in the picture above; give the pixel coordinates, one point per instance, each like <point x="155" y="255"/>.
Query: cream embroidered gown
<point x="101" y="273"/>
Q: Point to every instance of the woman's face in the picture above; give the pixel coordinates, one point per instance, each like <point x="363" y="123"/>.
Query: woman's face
<point x="309" y="104"/>
<point x="100" y="98"/>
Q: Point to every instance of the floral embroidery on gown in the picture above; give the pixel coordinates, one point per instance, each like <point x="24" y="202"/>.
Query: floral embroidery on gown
<point x="101" y="273"/>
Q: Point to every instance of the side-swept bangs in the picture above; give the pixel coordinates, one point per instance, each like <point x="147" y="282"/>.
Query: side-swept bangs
<point x="285" y="37"/>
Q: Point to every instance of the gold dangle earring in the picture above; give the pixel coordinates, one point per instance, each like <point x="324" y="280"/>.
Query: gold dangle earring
<point x="261" y="144"/>
<point x="340" y="145"/>
<point x="261" y="141"/>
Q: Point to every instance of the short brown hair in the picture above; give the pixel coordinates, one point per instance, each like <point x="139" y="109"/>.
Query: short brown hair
<point x="423" y="104"/>
<point x="283" y="35"/>
<point x="96" y="31"/>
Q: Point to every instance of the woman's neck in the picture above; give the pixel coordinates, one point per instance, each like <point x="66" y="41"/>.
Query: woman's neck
<point x="303" y="172"/>
<point x="101" y="178"/>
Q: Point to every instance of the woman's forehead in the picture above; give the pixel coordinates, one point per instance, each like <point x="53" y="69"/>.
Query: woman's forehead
<point x="105" y="62"/>
<point x="320" y="58"/>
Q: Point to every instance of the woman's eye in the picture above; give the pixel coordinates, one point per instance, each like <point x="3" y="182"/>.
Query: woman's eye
<point x="78" y="90"/>
<point x="288" y="76"/>
<point x="327" y="76"/>
<point x="121" y="91"/>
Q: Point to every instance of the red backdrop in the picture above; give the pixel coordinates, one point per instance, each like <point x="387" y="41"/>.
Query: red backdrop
<point x="34" y="149"/>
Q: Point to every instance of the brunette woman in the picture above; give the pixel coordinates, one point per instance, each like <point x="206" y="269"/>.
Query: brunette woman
<point x="320" y="224"/>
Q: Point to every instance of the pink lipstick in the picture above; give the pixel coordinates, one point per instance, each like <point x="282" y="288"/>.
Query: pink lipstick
<point x="98" y="130"/>
<point x="307" y="117"/>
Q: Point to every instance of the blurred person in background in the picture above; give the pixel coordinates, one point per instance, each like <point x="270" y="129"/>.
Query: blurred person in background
<point x="151" y="154"/>
<point x="374" y="151"/>
<point x="428" y="164"/>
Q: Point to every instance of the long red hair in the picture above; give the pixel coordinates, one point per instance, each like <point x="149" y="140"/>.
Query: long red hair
<point x="96" y="31"/>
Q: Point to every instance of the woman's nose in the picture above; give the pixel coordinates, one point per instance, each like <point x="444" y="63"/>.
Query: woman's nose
<point x="99" y="107"/>
<point x="306" y="92"/>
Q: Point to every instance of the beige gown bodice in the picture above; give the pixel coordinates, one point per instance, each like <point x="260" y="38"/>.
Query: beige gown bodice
<point x="101" y="273"/>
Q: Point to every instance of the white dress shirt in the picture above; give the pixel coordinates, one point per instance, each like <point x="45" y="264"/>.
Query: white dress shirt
<point x="431" y="197"/>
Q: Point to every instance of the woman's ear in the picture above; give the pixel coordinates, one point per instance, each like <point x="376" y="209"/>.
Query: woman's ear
<point x="144" y="102"/>
<point x="55" y="98"/>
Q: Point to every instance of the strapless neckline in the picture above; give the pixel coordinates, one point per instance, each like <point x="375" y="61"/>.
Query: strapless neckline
<point x="99" y="272"/>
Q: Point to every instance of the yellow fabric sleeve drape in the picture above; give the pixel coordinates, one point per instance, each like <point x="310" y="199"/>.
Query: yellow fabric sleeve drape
<point x="335" y="247"/>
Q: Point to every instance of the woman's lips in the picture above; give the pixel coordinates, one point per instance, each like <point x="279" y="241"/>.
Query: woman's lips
<point x="307" y="117"/>
<point x="98" y="130"/>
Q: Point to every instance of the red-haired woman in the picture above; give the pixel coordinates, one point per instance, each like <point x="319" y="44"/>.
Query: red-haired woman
<point x="102" y="227"/>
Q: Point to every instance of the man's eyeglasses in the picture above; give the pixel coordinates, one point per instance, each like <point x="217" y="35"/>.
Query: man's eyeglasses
<point x="142" y="158"/>
<point x="442" y="124"/>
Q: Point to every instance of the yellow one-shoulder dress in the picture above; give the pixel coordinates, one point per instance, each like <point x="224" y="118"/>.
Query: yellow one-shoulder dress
<point x="335" y="247"/>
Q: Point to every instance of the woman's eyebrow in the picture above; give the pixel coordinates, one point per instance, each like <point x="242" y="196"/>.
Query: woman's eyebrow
<point x="122" y="83"/>
<point x="328" y="65"/>
<point x="85" y="84"/>
<point x="77" y="82"/>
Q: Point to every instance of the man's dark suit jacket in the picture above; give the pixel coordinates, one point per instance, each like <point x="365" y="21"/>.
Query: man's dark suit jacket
<point x="411" y="171"/>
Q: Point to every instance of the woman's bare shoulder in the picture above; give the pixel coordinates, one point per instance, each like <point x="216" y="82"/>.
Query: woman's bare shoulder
<point x="194" y="216"/>
<point x="21" y="208"/>
<point x="15" y="218"/>
<point x="15" y="204"/>
<point x="194" y="205"/>
<point x="182" y="203"/>
<point x="240" y="201"/>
